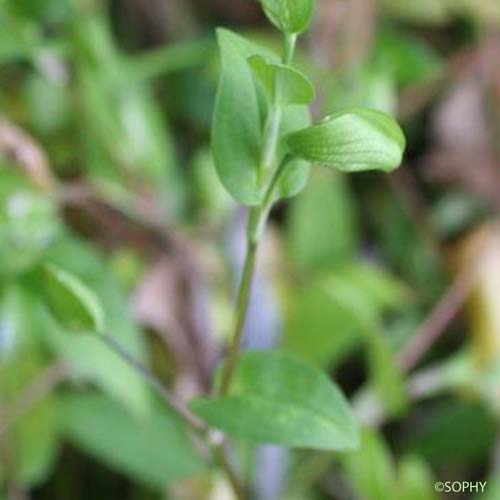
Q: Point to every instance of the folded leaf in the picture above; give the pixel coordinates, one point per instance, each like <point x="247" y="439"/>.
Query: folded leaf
<point x="71" y="302"/>
<point x="290" y="16"/>
<point x="351" y="141"/>
<point x="277" y="398"/>
<point x="287" y="84"/>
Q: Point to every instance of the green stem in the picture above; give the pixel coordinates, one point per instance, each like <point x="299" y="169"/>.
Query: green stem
<point x="273" y="124"/>
<point x="241" y="312"/>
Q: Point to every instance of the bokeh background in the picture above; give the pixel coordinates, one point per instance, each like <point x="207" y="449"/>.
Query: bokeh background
<point x="390" y="283"/>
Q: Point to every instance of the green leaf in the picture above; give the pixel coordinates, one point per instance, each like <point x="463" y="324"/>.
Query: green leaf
<point x="237" y="123"/>
<point x="415" y="480"/>
<point x="296" y="174"/>
<point x="277" y="398"/>
<point x="322" y="223"/>
<point x="241" y="109"/>
<point x="90" y="359"/>
<point x="287" y="84"/>
<point x="290" y="16"/>
<point x="361" y="306"/>
<point x="153" y="450"/>
<point x="73" y="304"/>
<point x="371" y="469"/>
<point x="351" y="141"/>
<point x="34" y="435"/>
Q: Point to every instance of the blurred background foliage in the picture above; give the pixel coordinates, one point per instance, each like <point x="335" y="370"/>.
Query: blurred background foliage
<point x="392" y="284"/>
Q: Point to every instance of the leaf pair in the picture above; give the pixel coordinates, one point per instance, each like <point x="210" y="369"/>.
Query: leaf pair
<point x="250" y="77"/>
<point x="252" y="81"/>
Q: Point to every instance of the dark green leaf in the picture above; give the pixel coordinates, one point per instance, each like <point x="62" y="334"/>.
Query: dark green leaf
<point x="71" y="302"/>
<point x="351" y="141"/>
<point x="277" y="398"/>
<point x="153" y="450"/>
<point x="290" y="16"/>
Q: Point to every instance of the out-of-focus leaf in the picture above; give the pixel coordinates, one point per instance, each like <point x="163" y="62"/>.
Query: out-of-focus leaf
<point x="434" y="12"/>
<point x="34" y="436"/>
<point x="71" y="301"/>
<point x="351" y="141"/>
<point x="441" y="436"/>
<point x="404" y="243"/>
<point x="482" y="250"/>
<point x="409" y="60"/>
<point x="47" y="104"/>
<point x="127" y="129"/>
<point x="370" y="469"/>
<point x="385" y="373"/>
<point x="322" y="329"/>
<point x="28" y="223"/>
<point x="15" y="322"/>
<point x="369" y="86"/>
<point x="415" y="480"/>
<point x="284" y="83"/>
<point x="277" y="398"/>
<point x="89" y="357"/>
<point x="48" y="10"/>
<point x="211" y="197"/>
<point x="153" y="450"/>
<point x="492" y="491"/>
<point x="317" y="329"/>
<point x="322" y="223"/>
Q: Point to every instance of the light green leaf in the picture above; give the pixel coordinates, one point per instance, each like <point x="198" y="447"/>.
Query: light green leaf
<point x="28" y="222"/>
<point x="290" y="16"/>
<point x="72" y="303"/>
<point x="296" y="174"/>
<point x="287" y="84"/>
<point x="153" y="450"/>
<point x="90" y="359"/>
<point x="322" y="224"/>
<point x="415" y="480"/>
<point x="34" y="435"/>
<point x="370" y="469"/>
<point x="277" y="398"/>
<point x="351" y="141"/>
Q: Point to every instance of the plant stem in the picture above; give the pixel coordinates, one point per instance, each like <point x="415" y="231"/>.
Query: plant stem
<point x="241" y="312"/>
<point x="256" y="222"/>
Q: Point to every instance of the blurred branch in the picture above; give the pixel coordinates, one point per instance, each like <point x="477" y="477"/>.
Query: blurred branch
<point x="21" y="149"/>
<point x="45" y="383"/>
<point x="171" y="58"/>
<point x="175" y="403"/>
<point x="218" y="449"/>
<point x="440" y="317"/>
